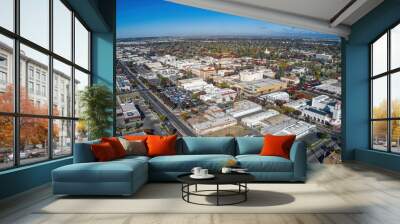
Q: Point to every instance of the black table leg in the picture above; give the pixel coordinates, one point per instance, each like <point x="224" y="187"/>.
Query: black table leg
<point x="217" y="194"/>
<point x="245" y="193"/>
<point x="188" y="190"/>
<point x="195" y="188"/>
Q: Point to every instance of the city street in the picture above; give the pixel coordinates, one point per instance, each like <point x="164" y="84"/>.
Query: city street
<point x="159" y="106"/>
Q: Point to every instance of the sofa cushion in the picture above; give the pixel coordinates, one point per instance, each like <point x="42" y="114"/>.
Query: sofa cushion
<point x="277" y="145"/>
<point x="134" y="147"/>
<point x="257" y="163"/>
<point x="161" y="145"/>
<point x="185" y="163"/>
<point x="249" y="145"/>
<point x="103" y="152"/>
<point x="112" y="171"/>
<point x="206" y="145"/>
<point x="116" y="145"/>
<point x="135" y="137"/>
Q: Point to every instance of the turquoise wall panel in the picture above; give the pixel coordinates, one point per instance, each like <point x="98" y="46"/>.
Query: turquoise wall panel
<point x="24" y="178"/>
<point x="356" y="86"/>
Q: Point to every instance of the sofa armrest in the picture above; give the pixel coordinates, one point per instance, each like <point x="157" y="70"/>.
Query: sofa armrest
<point x="83" y="152"/>
<point x="298" y="155"/>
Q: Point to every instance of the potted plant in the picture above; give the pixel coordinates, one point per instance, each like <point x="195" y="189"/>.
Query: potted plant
<point x="96" y="103"/>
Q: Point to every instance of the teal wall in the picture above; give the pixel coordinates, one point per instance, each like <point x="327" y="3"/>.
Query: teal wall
<point x="24" y="178"/>
<point x="355" y="75"/>
<point x="99" y="16"/>
<point x="103" y="63"/>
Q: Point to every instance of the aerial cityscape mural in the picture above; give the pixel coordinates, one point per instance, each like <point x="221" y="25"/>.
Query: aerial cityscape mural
<point x="195" y="72"/>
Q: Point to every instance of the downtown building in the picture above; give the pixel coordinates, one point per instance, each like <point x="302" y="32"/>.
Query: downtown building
<point x="34" y="81"/>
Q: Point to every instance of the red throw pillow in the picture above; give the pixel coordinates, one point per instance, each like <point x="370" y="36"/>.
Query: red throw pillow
<point x="277" y="145"/>
<point x="103" y="151"/>
<point x="135" y="137"/>
<point x="161" y="145"/>
<point x="116" y="145"/>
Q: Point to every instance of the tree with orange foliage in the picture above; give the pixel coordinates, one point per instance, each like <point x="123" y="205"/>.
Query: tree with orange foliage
<point x="380" y="127"/>
<point x="33" y="131"/>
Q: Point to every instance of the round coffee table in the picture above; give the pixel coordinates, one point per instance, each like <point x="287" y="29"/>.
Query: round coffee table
<point x="238" y="179"/>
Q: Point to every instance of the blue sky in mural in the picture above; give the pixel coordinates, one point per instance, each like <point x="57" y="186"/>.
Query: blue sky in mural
<point x="155" y="18"/>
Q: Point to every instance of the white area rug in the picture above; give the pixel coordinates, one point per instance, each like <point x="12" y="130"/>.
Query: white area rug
<point x="166" y="198"/>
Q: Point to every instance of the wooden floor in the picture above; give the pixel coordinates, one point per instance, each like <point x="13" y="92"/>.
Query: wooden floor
<point x="377" y="188"/>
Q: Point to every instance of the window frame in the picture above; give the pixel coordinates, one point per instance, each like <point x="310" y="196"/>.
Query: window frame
<point x="388" y="74"/>
<point x="16" y="114"/>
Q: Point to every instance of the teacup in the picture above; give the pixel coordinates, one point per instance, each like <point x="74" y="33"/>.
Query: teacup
<point x="196" y="171"/>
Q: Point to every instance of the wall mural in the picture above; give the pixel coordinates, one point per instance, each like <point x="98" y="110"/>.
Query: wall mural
<point x="195" y="72"/>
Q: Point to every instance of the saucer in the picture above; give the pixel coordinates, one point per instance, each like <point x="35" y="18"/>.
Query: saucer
<point x="208" y="176"/>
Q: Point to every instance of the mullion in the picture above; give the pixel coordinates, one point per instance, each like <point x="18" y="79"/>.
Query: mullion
<point x="16" y="70"/>
<point x="41" y="49"/>
<point x="17" y="40"/>
<point x="371" y="89"/>
<point x="50" y="79"/>
<point x="389" y="104"/>
<point x="73" y="80"/>
<point x="386" y="73"/>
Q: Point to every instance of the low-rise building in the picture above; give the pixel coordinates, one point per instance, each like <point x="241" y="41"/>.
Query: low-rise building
<point x="203" y="72"/>
<point x="130" y="112"/>
<point x="225" y="72"/>
<point x="193" y="84"/>
<point x="330" y="86"/>
<point x="323" y="57"/>
<point x="255" y="119"/>
<point x="275" y="96"/>
<point x="316" y="115"/>
<point x="284" y="125"/>
<point x="297" y="104"/>
<point x="300" y="129"/>
<point x="291" y="79"/>
<point x="250" y="75"/>
<point x="218" y="95"/>
<point x="263" y="86"/>
<point x="242" y="108"/>
<point x="214" y="124"/>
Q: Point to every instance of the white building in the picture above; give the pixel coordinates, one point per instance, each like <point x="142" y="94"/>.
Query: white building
<point x="269" y="73"/>
<point x="168" y="60"/>
<point x="292" y="79"/>
<point x="316" y="115"/>
<point x="242" y="108"/>
<point x="275" y="96"/>
<point x="123" y="84"/>
<point x="225" y="72"/>
<point x="284" y="125"/>
<point x="130" y="112"/>
<point x="331" y="86"/>
<point x="154" y="65"/>
<point x="214" y="125"/>
<point x="324" y="57"/>
<point x="34" y="81"/>
<point x="255" y="119"/>
<point x="193" y="84"/>
<point x="300" y="129"/>
<point x="218" y="95"/>
<point x="250" y="75"/>
<point x="297" y="104"/>
<point x="322" y="102"/>
<point x="299" y="70"/>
